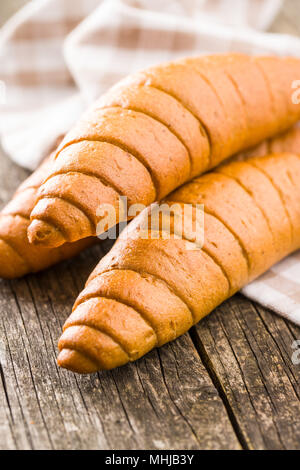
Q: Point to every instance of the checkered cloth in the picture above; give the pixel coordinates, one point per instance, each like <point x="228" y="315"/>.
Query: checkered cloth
<point x="57" y="56"/>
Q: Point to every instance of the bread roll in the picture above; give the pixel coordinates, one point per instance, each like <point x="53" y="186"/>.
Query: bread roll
<point x="146" y="292"/>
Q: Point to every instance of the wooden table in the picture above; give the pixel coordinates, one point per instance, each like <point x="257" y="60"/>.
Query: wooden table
<point x="228" y="384"/>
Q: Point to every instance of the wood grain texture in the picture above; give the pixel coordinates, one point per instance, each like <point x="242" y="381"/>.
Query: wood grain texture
<point x="249" y="352"/>
<point x="228" y="384"/>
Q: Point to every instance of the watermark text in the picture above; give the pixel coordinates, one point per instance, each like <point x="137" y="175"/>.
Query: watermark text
<point x="159" y="221"/>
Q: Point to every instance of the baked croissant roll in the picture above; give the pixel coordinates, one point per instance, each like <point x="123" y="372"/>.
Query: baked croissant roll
<point x="17" y="256"/>
<point x="158" y="129"/>
<point x="148" y="291"/>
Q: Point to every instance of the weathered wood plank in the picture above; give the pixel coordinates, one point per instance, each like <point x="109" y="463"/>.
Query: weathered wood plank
<point x="249" y="351"/>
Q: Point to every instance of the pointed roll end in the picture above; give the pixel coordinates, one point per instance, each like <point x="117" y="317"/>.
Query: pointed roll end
<point x="86" y="350"/>
<point x="76" y="362"/>
<point x="42" y="233"/>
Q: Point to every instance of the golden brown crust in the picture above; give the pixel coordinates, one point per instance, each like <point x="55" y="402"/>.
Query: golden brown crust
<point x="17" y="256"/>
<point x="284" y="174"/>
<point x="252" y="221"/>
<point x="173" y="122"/>
<point x="170" y="112"/>
<point x="143" y="137"/>
<point x="262" y="191"/>
<point x="177" y="267"/>
<point x="227" y="200"/>
<point x="151" y="297"/>
<point x="213" y="72"/>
